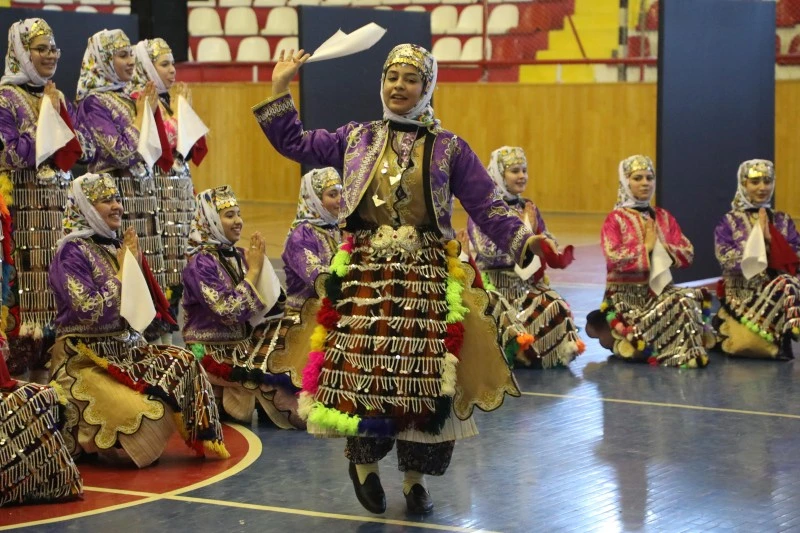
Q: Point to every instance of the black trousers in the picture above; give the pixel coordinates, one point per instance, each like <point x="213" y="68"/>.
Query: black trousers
<point x="428" y="459"/>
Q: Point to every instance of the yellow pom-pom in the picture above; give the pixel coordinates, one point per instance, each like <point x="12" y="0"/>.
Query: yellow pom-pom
<point x="452" y="248"/>
<point x="6" y="189"/>
<point x="640" y="345"/>
<point x="318" y="338"/>
<point x="603" y="307"/>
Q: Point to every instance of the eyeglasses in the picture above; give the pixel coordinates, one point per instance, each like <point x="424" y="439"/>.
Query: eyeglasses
<point x="47" y="51"/>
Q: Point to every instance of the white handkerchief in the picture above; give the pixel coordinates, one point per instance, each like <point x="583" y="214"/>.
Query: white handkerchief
<point x="530" y="270"/>
<point x="269" y="288"/>
<point x="536" y="264"/>
<point x="754" y="260"/>
<point x="136" y="303"/>
<point x="149" y="144"/>
<point x="52" y="133"/>
<point x="190" y="127"/>
<point x="341" y="44"/>
<point x="660" y="274"/>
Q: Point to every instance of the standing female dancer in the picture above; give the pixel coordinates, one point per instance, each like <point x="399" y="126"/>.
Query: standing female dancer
<point x="402" y="346"/>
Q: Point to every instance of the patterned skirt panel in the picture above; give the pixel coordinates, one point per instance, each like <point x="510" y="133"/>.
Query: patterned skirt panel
<point x="168" y="373"/>
<point x="35" y="464"/>
<point x="670" y="325"/>
<point x="770" y="307"/>
<point x="535" y="308"/>
<point x="175" y="193"/>
<point x="39" y="198"/>
<point x="385" y="356"/>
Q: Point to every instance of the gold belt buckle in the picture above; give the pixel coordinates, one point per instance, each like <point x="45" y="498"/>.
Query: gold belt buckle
<point x="388" y="241"/>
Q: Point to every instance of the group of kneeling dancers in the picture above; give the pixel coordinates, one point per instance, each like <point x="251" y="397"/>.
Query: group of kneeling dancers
<point x="392" y="326"/>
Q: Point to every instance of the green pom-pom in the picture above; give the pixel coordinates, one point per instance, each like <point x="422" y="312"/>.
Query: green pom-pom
<point x="743" y="320"/>
<point x="198" y="350"/>
<point x="510" y="351"/>
<point x="754" y="328"/>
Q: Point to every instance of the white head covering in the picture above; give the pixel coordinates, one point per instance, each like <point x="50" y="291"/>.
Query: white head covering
<point x="309" y="204"/>
<point x="81" y="220"/>
<point x="628" y="166"/>
<point x="97" y="68"/>
<point x="753" y="168"/>
<point x="416" y="56"/>
<point x="501" y="159"/>
<point x="147" y="53"/>
<point x="206" y="230"/>
<point x="19" y="67"/>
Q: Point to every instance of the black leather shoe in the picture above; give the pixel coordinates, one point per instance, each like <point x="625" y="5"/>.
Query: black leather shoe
<point x="418" y="500"/>
<point x="370" y="494"/>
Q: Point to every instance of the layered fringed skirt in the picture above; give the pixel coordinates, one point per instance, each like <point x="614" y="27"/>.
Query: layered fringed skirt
<point x="38" y="203"/>
<point x="401" y="346"/>
<point x="759" y="317"/>
<point x="175" y="194"/>
<point x="238" y="371"/>
<point x="668" y="329"/>
<point x="123" y="393"/>
<point x="534" y="308"/>
<point x="35" y="464"/>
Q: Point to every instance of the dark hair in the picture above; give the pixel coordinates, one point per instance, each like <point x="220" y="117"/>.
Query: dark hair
<point x="596" y="318"/>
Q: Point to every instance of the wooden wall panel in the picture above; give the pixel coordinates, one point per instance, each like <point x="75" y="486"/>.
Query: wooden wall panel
<point x="574" y="135"/>
<point x="787" y="147"/>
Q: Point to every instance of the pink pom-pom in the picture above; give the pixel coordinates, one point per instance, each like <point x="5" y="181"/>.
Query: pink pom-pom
<point x="311" y="372"/>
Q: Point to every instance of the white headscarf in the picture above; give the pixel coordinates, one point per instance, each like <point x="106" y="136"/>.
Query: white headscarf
<point x="752" y="168"/>
<point x="309" y="204"/>
<point x="628" y="166"/>
<point x="147" y="52"/>
<point x="416" y="56"/>
<point x="206" y="230"/>
<point x="81" y="220"/>
<point x="19" y="67"/>
<point x="97" y="67"/>
<point x="501" y="159"/>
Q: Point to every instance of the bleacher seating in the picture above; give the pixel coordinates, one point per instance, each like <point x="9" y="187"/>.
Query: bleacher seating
<point x="253" y="49"/>
<point x="502" y="18"/>
<point x="287" y="43"/>
<point x="241" y="21"/>
<point x="447" y="49"/>
<point x="281" y="21"/>
<point x="204" y="21"/>
<point x="213" y="49"/>
<point x="470" y="21"/>
<point x="518" y="30"/>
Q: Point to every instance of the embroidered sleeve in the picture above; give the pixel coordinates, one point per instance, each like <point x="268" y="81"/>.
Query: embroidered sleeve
<point x="623" y="244"/>
<point x="19" y="143"/>
<point x="727" y="246"/>
<point x="791" y="234"/>
<point x="676" y="243"/>
<point x="539" y="226"/>
<point x="231" y="304"/>
<point x="305" y="254"/>
<point x="109" y="130"/>
<point x="279" y="120"/>
<point x="487" y="254"/>
<point x="472" y="185"/>
<point x="89" y="294"/>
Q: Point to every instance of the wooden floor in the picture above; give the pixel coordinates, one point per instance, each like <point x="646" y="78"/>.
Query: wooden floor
<point x="600" y="446"/>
